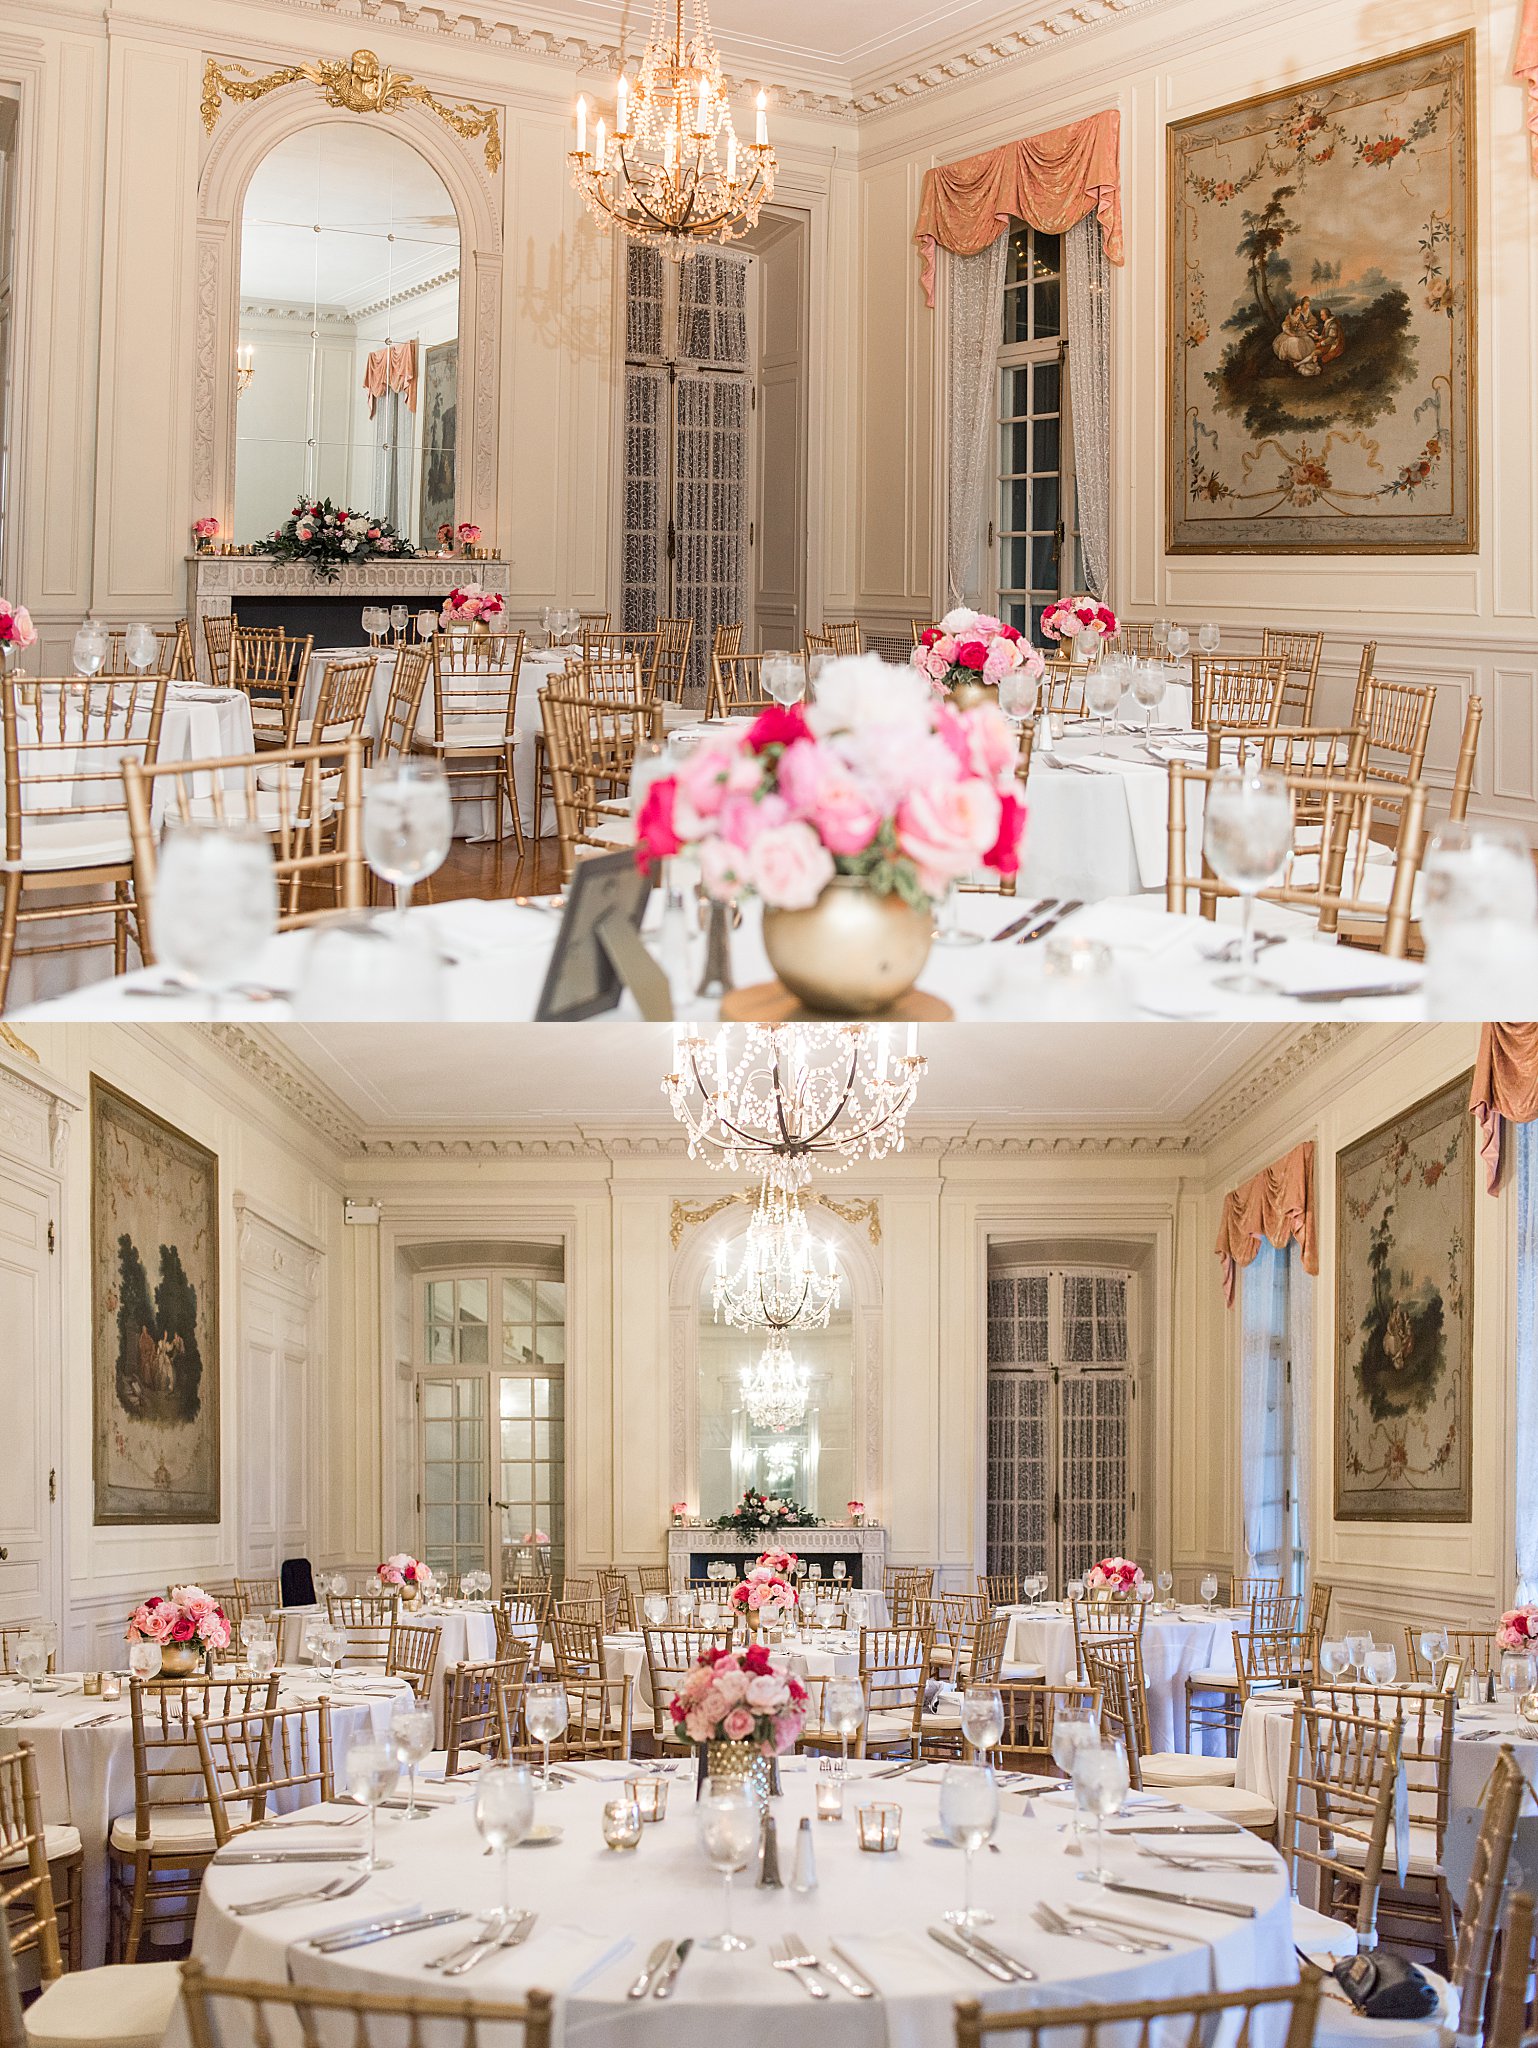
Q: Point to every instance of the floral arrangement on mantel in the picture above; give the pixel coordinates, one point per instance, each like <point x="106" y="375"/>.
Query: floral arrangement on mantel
<point x="465" y="534"/>
<point x="1518" y="1629"/>
<point x="471" y="606"/>
<point x="1114" y="1575"/>
<point x="1083" y="622"/>
<point x="880" y="781"/>
<point x="970" y="647"/>
<point x="406" y="1572"/>
<point x="188" y="1618"/>
<point x="763" y="1591"/>
<point x="331" y="538"/>
<point x="205" y="532"/>
<point x="759" y="1511"/>
<point x="738" y="1696"/>
<point x="16" y="629"/>
<point x="855" y="1509"/>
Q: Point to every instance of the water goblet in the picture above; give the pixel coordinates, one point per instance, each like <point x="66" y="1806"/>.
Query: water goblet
<point x="411" y="1731"/>
<point x="1434" y="1647"/>
<point x="1247" y="836"/>
<point x="215" y="903"/>
<point x="1517" y="1672"/>
<point x="1178" y="641"/>
<point x="1210" y="638"/>
<point x="727" y="1820"/>
<point x="1099" y="1788"/>
<point x="373" y="1772"/>
<point x="400" y="616"/>
<point x="655" y="1608"/>
<point x="1209" y="1590"/>
<point x="546" y="1714"/>
<point x="1479" y="914"/>
<point x="784" y="677"/>
<point x="1380" y="1664"/>
<point x="1166" y="1588"/>
<point x="982" y="1719"/>
<point x="1333" y="1657"/>
<point x="504" y="1814"/>
<point x="144" y="1661"/>
<point x="1102" y="692"/>
<point x="949" y="930"/>
<point x="32" y="1658"/>
<point x="1074" y="1723"/>
<point x="1358" y="1643"/>
<point x="90" y="648"/>
<point x="140" y="646"/>
<point x="337" y="1584"/>
<point x="408" y="823"/>
<point x="1148" y="686"/>
<point x="1144" y="1593"/>
<point x="969" y="1813"/>
<point x="262" y="1655"/>
<point x="1017" y="695"/>
<point x="427" y="625"/>
<point x="1075" y="1590"/>
<point x="843" y="1706"/>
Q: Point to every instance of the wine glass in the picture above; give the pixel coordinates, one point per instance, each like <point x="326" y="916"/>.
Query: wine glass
<point x="1209" y="1590"/>
<point x="546" y="1714"/>
<point x="1434" y="1647"/>
<point x="1247" y="835"/>
<point x="1178" y="641"/>
<point x="140" y="646"/>
<point x="1166" y="1588"/>
<point x="408" y="823"/>
<point x="1333" y="1657"/>
<point x="843" y="1706"/>
<point x="1144" y="1593"/>
<point x="400" y="616"/>
<point x="1074" y="1723"/>
<point x="650" y="763"/>
<point x="949" y="930"/>
<point x="1358" y="1643"/>
<point x="982" y="1718"/>
<point x="215" y="901"/>
<point x="1099" y="1788"/>
<point x="32" y="1658"/>
<point x="144" y="1661"/>
<point x="1381" y="1664"/>
<point x="373" y="1772"/>
<point x="655" y="1608"/>
<point x="727" y="1820"/>
<point x="969" y="1813"/>
<point x="1517" y="1673"/>
<point x="1148" y="687"/>
<point x="262" y="1654"/>
<point x="427" y="625"/>
<point x="411" y="1730"/>
<point x="784" y="677"/>
<point x="1210" y="638"/>
<point x="1102" y="692"/>
<point x="90" y="648"/>
<point x="1075" y="1591"/>
<point x="1017" y="695"/>
<point x="504" y="1814"/>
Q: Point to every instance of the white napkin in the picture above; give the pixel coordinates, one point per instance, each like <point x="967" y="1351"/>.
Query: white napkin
<point x="897" y="1964"/>
<point x="1303" y="965"/>
<point x="470" y="925"/>
<point x="561" y="1958"/>
<point x="1130" y="927"/>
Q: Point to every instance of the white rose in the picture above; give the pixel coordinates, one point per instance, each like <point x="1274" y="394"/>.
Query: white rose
<point x="863" y="690"/>
<point x="959" y="621"/>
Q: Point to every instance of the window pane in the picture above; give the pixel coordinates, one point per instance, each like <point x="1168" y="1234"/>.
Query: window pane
<point x="517" y="1440"/>
<point x="1019" y="255"/>
<point x="1017" y="392"/>
<point x="1017" y="314"/>
<point x="1047" y="443"/>
<point x="473" y="1344"/>
<point x="516" y="1397"/>
<point x="550" y="1301"/>
<point x="438" y="1482"/>
<point x="1014" y="564"/>
<point x="471" y="1525"/>
<point x="437" y="1398"/>
<point x="438" y="1440"/>
<point x="1016" y="454"/>
<point x="517" y="1301"/>
<point x="552" y="1344"/>
<point x="472" y="1301"/>
<point x="1047" y="379"/>
<point x="1046" y="500"/>
<point x="469" y="1439"/>
<point x="1048" y="250"/>
<point x="1043" y="563"/>
<point x="440" y="1300"/>
<point x="517" y="1344"/>
<point x="440" y="1526"/>
<point x="1017" y="506"/>
<point x="1048" y="317"/>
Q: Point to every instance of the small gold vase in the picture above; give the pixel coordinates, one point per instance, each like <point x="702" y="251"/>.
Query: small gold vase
<point x="853" y="952"/>
<point x="181" y="1660"/>
<point x="759" y="1775"/>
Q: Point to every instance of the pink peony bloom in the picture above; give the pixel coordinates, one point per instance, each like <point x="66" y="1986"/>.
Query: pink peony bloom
<point x="945" y="830"/>
<point x="819" y="788"/>
<point x="765" y="1694"/>
<point x="790" y="866"/>
<point x="702" y="776"/>
<point x="1003" y="857"/>
<point x="656" y="834"/>
<point x="738" y="1725"/>
<point x="991" y="746"/>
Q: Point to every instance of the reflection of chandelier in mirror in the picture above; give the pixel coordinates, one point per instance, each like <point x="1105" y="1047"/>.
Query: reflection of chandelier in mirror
<point x="780" y="1097"/>
<point x="780" y="1463"/>
<point x="777" y="1284"/>
<point x="774" y="1391"/>
<point x="245" y="368"/>
<point x="674" y="174"/>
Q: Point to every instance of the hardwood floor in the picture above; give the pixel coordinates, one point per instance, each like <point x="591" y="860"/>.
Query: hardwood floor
<point x="493" y="871"/>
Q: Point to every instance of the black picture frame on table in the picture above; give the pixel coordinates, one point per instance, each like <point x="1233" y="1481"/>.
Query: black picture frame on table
<point x="599" y="953"/>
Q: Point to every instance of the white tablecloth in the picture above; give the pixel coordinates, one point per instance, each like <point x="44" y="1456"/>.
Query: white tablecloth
<point x="467" y="1635"/>
<point x="86" y="1775"/>
<point x="600" y="1914"/>
<point x="1174" y="1645"/>
<point x="1099" y="815"/>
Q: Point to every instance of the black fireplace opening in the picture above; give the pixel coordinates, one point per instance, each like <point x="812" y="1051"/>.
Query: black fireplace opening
<point x="332" y="619"/>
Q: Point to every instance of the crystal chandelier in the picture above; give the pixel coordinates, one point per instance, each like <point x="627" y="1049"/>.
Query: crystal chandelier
<point x="777" y="1284"/>
<point x="774" y="1391"/>
<point x="777" y="1098"/>
<point x="673" y="173"/>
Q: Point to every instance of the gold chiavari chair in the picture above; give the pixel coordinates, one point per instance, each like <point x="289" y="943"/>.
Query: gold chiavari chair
<point x="311" y="806"/>
<point x="839" y="636"/>
<point x="249" y="1759"/>
<point x="341" y="706"/>
<point x="1364" y="673"/>
<point x="654" y="1578"/>
<point x="1515" y="2021"/>
<point x="947" y="1616"/>
<point x="263" y="2011"/>
<point x="577" y="1640"/>
<point x="999" y="1589"/>
<point x="218" y="637"/>
<point x="906" y="1586"/>
<point x="726" y="641"/>
<point x="977" y="1658"/>
<point x="1140" y="639"/>
<point x="586" y="741"/>
<point x="119" y="2006"/>
<point x="1484" y="1898"/>
<point x="475" y="715"/>
<point x="1307" y="753"/>
<point x="671" y="1654"/>
<point x="520" y="1625"/>
<point x="41" y="1870"/>
<point x="1242" y="2019"/>
<point x="1030" y="1713"/>
<point x="1236" y="690"/>
<point x="1095" y="1621"/>
<point x="1300" y="652"/>
<point x="1271" y="1654"/>
<point x="675" y="641"/>
<point x="1320" y="1594"/>
<point x="479" y="1702"/>
<point x="594" y="622"/>
<point x="271" y="667"/>
<point x="1476" y="1646"/>
<point x="736" y="685"/>
<point x="1060" y="690"/>
<point x="413" y="1655"/>
<point x="1468" y="754"/>
<point x="614" y="1592"/>
<point x="369" y="1619"/>
<point x="578" y="1586"/>
<point x="1341" y="1774"/>
<point x="1398" y="730"/>
<point x="1334" y="877"/>
<point x="894" y="1667"/>
<point x="1246" y="1591"/>
<point x="403" y="707"/>
<point x="66" y="832"/>
<point x="919" y="628"/>
<point x="173" y="653"/>
<point x="1115" y="1669"/>
<point x="261" y="1595"/>
<point x="157" y="1854"/>
<point x="639" y="646"/>
<point x="1272" y="1610"/>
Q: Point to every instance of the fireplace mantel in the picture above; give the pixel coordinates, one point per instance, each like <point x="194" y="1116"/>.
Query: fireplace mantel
<point x="216" y="585"/>
<point x="867" y="1544"/>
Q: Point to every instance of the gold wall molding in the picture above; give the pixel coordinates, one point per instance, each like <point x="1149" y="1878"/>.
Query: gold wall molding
<point x="19" y="1045"/>
<point x="361" y="85"/>
<point x="690" y="1215"/>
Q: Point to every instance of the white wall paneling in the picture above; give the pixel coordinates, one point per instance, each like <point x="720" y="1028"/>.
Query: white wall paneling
<point x="279" y="1311"/>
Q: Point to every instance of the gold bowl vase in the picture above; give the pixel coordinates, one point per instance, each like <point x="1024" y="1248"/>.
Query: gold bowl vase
<point x="759" y="1775"/>
<point x="180" y="1660"/>
<point x="853" y="952"/>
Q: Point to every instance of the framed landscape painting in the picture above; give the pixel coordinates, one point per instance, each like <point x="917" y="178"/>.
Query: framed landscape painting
<point x="1321" y="316"/>
<point x="1404" y="1317"/>
<point x="154" y="1317"/>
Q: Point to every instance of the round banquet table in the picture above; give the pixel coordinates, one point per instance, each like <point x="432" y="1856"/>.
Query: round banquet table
<point x="466" y="1635"/>
<point x="85" y="1760"/>
<point x="1174" y="1645"/>
<point x="601" y="1914"/>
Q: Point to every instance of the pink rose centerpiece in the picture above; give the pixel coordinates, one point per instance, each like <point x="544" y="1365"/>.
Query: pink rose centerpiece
<point x="1114" y="1575"/>
<point x="16" y="630"/>
<point x="1519" y="1629"/>
<point x="765" y="1592"/>
<point x="187" y="1624"/>
<point x="471" y="606"/>
<point x="415" y="1580"/>
<point x="741" y="1712"/>
<point x="973" y="648"/>
<point x="785" y="1562"/>
<point x="469" y="536"/>
<point x="1080" y="625"/>
<point x="856" y="1511"/>
<point x="205" y="531"/>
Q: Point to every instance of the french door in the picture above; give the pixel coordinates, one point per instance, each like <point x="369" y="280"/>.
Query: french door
<point x="688" y="406"/>
<point x="1061" y="1394"/>
<point x="491" y="1402"/>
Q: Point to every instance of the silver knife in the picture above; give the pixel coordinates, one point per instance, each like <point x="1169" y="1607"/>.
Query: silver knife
<point x="654" y="1963"/>
<point x="669" y="1975"/>
<point x="1040" y="931"/>
<point x="1038" y="921"/>
<point x="1353" y="995"/>
<point x="1182" y="1828"/>
<point x="1019" y="924"/>
<point x="382" y="1930"/>
<point x="288" y="1856"/>
<point x="855" y="1974"/>
<point x="972" y="1955"/>
<point x="1021" y="1971"/>
<point x="1231" y="1907"/>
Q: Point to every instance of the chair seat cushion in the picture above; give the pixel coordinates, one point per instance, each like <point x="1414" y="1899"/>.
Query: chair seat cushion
<point x="1213" y="1681"/>
<point x="1424" y="1861"/>
<point x="272" y="810"/>
<point x="1172" y="1767"/>
<point x="58" y="1844"/>
<point x="1320" y="1936"/>
<point x="611" y="832"/>
<point x="944" y="1721"/>
<point x="125" y="2005"/>
<point x="888" y="1727"/>
<point x="186" y="1828"/>
<point x="55" y="845"/>
<point x="1227" y="1802"/>
<point x="475" y="735"/>
<point x="1028" y="1673"/>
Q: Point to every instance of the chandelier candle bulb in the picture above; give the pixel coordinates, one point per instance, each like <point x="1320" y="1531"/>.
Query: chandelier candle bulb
<point x="622" y="110"/>
<point x="582" y="124"/>
<point x="602" y="156"/>
<point x="731" y="159"/>
<point x="762" y="137"/>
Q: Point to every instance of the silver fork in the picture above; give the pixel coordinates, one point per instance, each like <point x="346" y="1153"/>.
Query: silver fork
<point x="1054" y="1923"/>
<point x="339" y="1888"/>
<point x="786" y="1957"/>
<point x="511" y="1936"/>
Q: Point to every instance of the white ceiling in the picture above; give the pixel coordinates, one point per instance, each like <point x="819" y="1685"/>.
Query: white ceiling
<point x="602" y="1076"/>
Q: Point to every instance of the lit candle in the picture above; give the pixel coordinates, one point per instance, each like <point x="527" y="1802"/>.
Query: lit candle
<point x="763" y="121"/>
<point x="582" y="124"/>
<point x="622" y="108"/>
<point x="913" y="1041"/>
<point x="603" y="144"/>
<point x="731" y="156"/>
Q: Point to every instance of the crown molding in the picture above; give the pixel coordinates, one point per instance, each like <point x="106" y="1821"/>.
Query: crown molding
<point x="997" y="53"/>
<point x="261" y="1058"/>
<point x="1266" y="1078"/>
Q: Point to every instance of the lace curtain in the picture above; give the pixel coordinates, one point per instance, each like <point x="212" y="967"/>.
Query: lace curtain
<point x="1300" y="1344"/>
<point x="1526" y="1148"/>
<point x="1263" y="1432"/>
<point x="976" y="322"/>
<point x="1087" y="323"/>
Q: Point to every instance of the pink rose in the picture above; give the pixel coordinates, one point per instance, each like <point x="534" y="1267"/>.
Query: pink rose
<point x="992" y="748"/>
<point x="764" y="1695"/>
<point x="723" y="870"/>
<point x="818" y="787"/>
<point x="744" y="819"/>
<point x="738" y="1725"/>
<point x="972" y="654"/>
<point x="699" y="1725"/>
<point x="1004" y="855"/>
<point x="656" y="833"/>
<point x="790" y="866"/>
<point x="702" y="776"/>
<point x="732" y="1685"/>
<point x="944" y="830"/>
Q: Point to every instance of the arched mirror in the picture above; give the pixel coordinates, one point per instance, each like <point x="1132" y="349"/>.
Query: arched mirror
<point x="348" y="364"/>
<point x="746" y="1440"/>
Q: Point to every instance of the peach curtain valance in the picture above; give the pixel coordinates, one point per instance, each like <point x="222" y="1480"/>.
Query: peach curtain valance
<point x="391" y="369"/>
<point x="1049" y="181"/>
<point x="1505" y="1089"/>
<point x="1527" y="72"/>
<point x="1276" y="1204"/>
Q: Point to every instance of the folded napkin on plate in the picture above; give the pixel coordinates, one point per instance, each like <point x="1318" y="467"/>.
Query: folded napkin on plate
<point x="1126" y="928"/>
<point x="562" y="1958"/>
<point x="199" y="693"/>
<point x="1302" y="966"/>
<point x="471" y="925"/>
